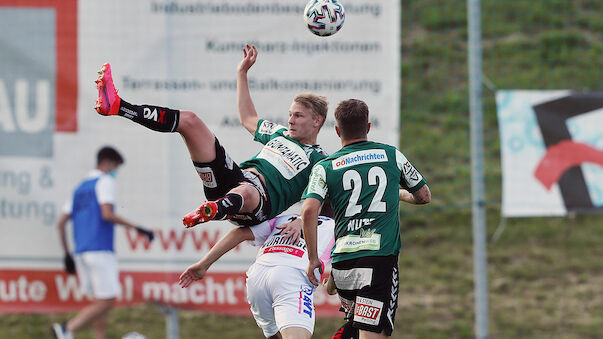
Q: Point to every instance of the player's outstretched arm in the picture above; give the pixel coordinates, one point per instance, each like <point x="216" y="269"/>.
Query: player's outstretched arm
<point x="247" y="113"/>
<point x="197" y="270"/>
<point x="109" y="215"/>
<point x="310" y="210"/>
<point x="420" y="197"/>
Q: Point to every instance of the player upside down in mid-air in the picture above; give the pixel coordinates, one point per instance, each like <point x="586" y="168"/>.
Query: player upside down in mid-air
<point x="261" y="187"/>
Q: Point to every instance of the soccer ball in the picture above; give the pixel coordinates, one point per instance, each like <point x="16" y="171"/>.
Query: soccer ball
<point x="324" y="17"/>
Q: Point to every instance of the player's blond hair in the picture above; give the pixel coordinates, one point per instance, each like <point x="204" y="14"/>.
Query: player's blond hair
<point x="317" y="103"/>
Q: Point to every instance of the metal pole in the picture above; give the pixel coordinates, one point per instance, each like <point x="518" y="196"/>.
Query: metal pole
<point x="480" y="270"/>
<point x="172" y="326"/>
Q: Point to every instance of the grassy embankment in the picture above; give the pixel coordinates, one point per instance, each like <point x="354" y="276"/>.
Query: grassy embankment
<point x="545" y="274"/>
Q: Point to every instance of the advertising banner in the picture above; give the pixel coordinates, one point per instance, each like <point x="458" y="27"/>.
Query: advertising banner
<point x="552" y="152"/>
<point x="177" y="54"/>
<point x="45" y="291"/>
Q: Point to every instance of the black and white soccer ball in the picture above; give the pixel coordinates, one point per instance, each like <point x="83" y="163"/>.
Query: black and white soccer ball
<point x="324" y="17"/>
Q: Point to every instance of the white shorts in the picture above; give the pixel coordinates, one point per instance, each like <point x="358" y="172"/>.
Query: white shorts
<point x="280" y="297"/>
<point x="98" y="274"/>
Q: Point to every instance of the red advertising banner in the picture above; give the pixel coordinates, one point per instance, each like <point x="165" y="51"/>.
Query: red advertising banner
<point x="44" y="291"/>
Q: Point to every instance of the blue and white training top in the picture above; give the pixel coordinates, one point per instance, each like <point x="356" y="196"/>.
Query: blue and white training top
<point x="90" y="231"/>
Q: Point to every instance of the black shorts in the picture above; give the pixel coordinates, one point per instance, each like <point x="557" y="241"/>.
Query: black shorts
<point x="368" y="289"/>
<point x="222" y="175"/>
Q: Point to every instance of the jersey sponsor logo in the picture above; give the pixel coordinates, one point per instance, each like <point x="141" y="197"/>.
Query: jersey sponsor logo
<point x="412" y="175"/>
<point x="267" y="127"/>
<point x="286" y="156"/>
<point x="285" y="249"/>
<point x="353" y="243"/>
<point x="155" y="115"/>
<point x="358" y="158"/>
<point x="207" y="176"/>
<point x="355" y="224"/>
<point x="305" y="301"/>
<point x="367" y="311"/>
<point x="280" y="241"/>
<point x="318" y="184"/>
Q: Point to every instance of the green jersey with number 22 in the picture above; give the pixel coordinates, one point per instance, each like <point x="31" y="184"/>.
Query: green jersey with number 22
<point x="362" y="180"/>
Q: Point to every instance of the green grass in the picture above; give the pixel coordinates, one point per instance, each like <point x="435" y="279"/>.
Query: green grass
<point x="545" y="274"/>
<point x="545" y="278"/>
<point x="539" y="44"/>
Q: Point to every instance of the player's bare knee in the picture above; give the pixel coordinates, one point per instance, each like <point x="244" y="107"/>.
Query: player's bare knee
<point x="188" y="121"/>
<point x="248" y="192"/>
<point x="250" y="196"/>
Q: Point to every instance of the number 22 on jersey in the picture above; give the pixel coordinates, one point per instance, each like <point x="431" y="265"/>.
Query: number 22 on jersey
<point x="352" y="180"/>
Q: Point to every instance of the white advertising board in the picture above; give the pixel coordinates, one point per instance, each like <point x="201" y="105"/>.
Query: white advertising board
<point x="552" y="152"/>
<point x="178" y="54"/>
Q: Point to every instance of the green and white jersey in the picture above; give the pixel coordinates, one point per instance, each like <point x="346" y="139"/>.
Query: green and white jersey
<point x="285" y="164"/>
<point x="362" y="181"/>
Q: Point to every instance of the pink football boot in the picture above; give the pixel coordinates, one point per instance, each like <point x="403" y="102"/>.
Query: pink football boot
<point x="108" y="101"/>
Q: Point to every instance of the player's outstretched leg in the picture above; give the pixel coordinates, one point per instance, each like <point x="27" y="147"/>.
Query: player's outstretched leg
<point x="157" y="118"/>
<point x="199" y="140"/>
<point x="221" y="209"/>
<point x="197" y="136"/>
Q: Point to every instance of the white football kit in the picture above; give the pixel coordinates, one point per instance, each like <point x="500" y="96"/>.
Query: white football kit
<point x="278" y="290"/>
